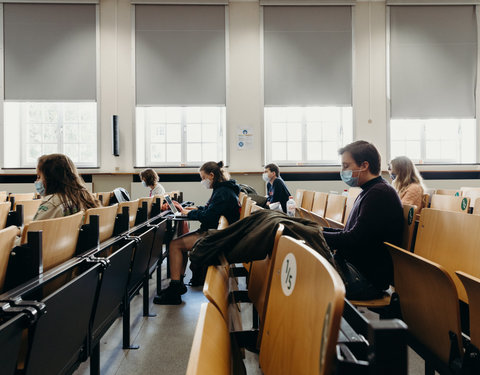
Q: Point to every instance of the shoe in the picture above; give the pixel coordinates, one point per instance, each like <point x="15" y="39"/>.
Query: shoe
<point x="167" y="299"/>
<point x="182" y="289"/>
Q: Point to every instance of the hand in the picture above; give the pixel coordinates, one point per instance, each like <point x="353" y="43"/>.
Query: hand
<point x="191" y="208"/>
<point x="178" y="206"/>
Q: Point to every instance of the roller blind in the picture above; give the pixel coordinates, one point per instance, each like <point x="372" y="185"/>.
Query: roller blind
<point x="50" y="52"/>
<point x="433" y="61"/>
<point x="308" y="55"/>
<point x="180" y="55"/>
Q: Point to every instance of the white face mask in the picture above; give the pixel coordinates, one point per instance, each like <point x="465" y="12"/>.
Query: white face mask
<point x="265" y="177"/>
<point x="206" y="183"/>
<point x="144" y="183"/>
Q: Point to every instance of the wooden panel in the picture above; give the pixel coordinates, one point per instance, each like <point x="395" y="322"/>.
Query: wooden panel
<point x="299" y="197"/>
<point x="472" y="286"/>
<point x="59" y="238"/>
<point x="30" y="208"/>
<point x="210" y="353"/>
<point x="448" y="192"/>
<point x="319" y="220"/>
<point x="303" y="314"/>
<point x="476" y="207"/>
<point x="22" y="196"/>
<point x="4" y="210"/>
<point x="243" y="203"/>
<point x="472" y="193"/>
<point x="428" y="300"/>
<point x="105" y="197"/>
<point x="7" y="240"/>
<point x="307" y="201"/>
<point x="319" y="203"/>
<point x="216" y="289"/>
<point x="450" y="203"/>
<point x="3" y="196"/>
<point x="222" y="223"/>
<point x="450" y="239"/>
<point x="106" y="218"/>
<point x="335" y="207"/>
<point x="132" y="210"/>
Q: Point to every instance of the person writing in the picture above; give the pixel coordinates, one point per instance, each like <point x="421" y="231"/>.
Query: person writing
<point x="277" y="191"/>
<point x="407" y="181"/>
<point x="376" y="216"/>
<point x="62" y="189"/>
<point x="222" y="202"/>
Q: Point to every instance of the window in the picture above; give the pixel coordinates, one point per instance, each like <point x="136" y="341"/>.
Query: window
<point x="181" y="135"/>
<point x="47" y="108"/>
<point x="433" y="64"/>
<point x="307" y="134"/>
<point x="308" y="83"/>
<point x="180" y="92"/>
<point x="46" y="128"/>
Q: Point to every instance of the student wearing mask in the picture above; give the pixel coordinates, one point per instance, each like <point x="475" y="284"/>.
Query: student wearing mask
<point x="150" y="180"/>
<point x="276" y="189"/>
<point x="62" y="189"/>
<point x="407" y="181"/>
<point x="222" y="202"/>
<point x="376" y="217"/>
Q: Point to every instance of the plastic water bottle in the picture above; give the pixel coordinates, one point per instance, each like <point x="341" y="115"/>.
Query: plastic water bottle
<point x="291" y="205"/>
<point x="345" y="193"/>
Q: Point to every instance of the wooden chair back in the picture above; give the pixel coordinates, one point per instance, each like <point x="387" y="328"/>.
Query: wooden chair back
<point x="240" y="196"/>
<point x="425" y="201"/>
<point x="476" y="207"/>
<point x="248" y="206"/>
<point x="222" y="223"/>
<point x="319" y="203"/>
<point x="408" y="226"/>
<point x="335" y="207"/>
<point x="307" y="201"/>
<point x="304" y="307"/>
<point x="4" y="210"/>
<point x="351" y="197"/>
<point x="211" y="350"/>
<point x="3" y="196"/>
<point x="243" y="208"/>
<point x="472" y="193"/>
<point x="472" y="286"/>
<point x="450" y="239"/>
<point x="21" y="196"/>
<point x="132" y="210"/>
<point x="149" y="201"/>
<point x="105" y="197"/>
<point x="260" y="277"/>
<point x="428" y="300"/>
<point x="453" y="192"/>
<point x="59" y="238"/>
<point x="216" y="289"/>
<point x="30" y="208"/>
<point x="303" y="213"/>
<point x="106" y="217"/>
<point x="255" y="208"/>
<point x="299" y="197"/>
<point x="7" y="241"/>
<point x="450" y="203"/>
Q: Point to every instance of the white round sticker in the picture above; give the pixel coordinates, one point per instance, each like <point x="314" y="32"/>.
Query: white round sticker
<point x="289" y="274"/>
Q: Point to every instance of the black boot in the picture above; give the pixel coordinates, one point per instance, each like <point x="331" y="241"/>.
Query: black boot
<point x="171" y="295"/>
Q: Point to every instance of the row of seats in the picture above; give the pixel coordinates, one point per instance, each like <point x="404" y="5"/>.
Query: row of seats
<point x="83" y="294"/>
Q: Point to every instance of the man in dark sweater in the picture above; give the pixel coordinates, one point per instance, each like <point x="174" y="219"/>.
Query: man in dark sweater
<point x="276" y="189"/>
<point x="376" y="216"/>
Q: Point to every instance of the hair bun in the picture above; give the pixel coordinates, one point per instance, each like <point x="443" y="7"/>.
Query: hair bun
<point x="220" y="164"/>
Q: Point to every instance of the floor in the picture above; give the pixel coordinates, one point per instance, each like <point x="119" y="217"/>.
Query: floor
<point x="165" y="340"/>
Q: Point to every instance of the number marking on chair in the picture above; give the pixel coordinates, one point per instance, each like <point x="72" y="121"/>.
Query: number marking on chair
<point x="289" y="274"/>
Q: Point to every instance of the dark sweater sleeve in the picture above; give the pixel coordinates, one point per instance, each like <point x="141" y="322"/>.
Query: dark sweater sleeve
<point x="210" y="215"/>
<point x="368" y="225"/>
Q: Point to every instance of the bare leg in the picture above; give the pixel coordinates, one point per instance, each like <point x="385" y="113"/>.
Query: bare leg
<point x="178" y="254"/>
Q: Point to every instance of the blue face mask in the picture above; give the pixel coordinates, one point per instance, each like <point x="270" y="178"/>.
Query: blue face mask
<point x="346" y="177"/>
<point x="40" y="188"/>
<point x="393" y="176"/>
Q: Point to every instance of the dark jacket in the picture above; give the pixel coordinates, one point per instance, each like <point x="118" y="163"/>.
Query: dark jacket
<point x="253" y="237"/>
<point x="223" y="202"/>
<point x="376" y="216"/>
<point x="278" y="192"/>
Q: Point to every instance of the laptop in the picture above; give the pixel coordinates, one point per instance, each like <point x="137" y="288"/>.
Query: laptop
<point x="174" y="210"/>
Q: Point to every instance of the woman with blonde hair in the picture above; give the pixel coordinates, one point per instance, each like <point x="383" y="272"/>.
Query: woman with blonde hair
<point x="407" y="181"/>
<point x="62" y="189"/>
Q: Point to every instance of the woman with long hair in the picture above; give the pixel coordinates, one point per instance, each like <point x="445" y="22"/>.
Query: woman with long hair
<point x="222" y="202"/>
<point x="150" y="179"/>
<point x="61" y="187"/>
<point x="407" y="181"/>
